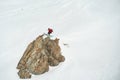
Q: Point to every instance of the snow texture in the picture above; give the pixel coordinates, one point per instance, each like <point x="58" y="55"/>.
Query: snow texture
<point x="90" y="27"/>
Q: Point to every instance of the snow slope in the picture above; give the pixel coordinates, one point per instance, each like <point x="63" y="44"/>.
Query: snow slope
<point x="90" y="27"/>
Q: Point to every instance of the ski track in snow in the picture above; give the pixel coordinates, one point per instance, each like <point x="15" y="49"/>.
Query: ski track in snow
<point x="90" y="28"/>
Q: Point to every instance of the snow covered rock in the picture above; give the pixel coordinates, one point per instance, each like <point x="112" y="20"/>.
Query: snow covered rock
<point x="39" y="54"/>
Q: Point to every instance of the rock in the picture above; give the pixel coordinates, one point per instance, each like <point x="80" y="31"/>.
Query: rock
<point x="24" y="74"/>
<point x="39" y="54"/>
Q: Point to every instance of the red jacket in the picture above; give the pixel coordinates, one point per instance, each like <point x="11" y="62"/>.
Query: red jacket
<point x="50" y="30"/>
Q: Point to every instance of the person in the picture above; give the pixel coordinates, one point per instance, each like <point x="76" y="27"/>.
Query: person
<point x="50" y="31"/>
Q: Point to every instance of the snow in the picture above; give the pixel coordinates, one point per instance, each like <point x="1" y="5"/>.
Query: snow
<point x="90" y="27"/>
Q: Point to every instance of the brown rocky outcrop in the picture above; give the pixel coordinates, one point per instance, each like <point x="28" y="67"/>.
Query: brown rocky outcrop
<point x="39" y="54"/>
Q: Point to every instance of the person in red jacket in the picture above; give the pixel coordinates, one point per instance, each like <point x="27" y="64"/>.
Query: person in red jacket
<point x="50" y="31"/>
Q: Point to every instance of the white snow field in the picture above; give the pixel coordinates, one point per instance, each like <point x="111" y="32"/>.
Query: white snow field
<point x="90" y="27"/>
